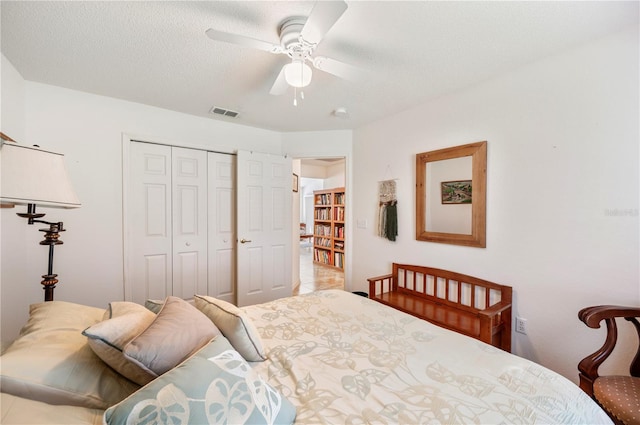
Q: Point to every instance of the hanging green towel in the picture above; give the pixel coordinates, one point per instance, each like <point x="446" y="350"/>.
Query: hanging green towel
<point x="391" y="221"/>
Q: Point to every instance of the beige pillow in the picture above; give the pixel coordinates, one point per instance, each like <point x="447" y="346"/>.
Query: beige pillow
<point x="52" y="362"/>
<point x="178" y="331"/>
<point x="234" y="325"/>
<point x="17" y="410"/>
<point x="123" y="322"/>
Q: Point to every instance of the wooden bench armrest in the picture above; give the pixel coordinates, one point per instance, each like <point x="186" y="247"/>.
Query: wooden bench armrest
<point x="495" y="309"/>
<point x="383" y="277"/>
<point x="379" y="279"/>
<point x="490" y="326"/>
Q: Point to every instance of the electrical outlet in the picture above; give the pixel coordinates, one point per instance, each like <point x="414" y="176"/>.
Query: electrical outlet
<point x="521" y="325"/>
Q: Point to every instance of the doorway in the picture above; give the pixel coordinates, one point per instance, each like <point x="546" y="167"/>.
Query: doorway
<point x="316" y="174"/>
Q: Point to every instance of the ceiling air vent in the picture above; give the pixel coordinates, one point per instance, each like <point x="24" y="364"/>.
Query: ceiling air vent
<point x="221" y="111"/>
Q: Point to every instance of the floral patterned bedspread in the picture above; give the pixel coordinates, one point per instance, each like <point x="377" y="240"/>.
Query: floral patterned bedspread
<point x="342" y="358"/>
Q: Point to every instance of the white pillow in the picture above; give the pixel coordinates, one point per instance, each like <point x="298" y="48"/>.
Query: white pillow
<point x="124" y="321"/>
<point x="234" y="325"/>
<point x="178" y="331"/>
<point x="18" y="410"/>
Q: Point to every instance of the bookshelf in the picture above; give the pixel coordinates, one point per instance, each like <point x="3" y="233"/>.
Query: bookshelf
<point x="328" y="227"/>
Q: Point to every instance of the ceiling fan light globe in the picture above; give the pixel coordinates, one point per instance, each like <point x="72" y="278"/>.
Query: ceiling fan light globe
<point x="298" y="74"/>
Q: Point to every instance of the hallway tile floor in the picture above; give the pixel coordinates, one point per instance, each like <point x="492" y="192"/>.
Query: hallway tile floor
<point x="315" y="277"/>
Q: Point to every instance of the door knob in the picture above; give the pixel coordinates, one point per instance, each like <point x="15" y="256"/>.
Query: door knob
<point x="188" y="244"/>
<point x="243" y="240"/>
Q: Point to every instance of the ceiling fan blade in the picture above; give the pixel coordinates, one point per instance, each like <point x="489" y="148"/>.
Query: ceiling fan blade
<point x="323" y="15"/>
<point x="243" y="41"/>
<point x="280" y="86"/>
<point x="337" y="68"/>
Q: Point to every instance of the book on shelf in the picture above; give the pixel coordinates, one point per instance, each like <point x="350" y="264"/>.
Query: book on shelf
<point x="323" y="242"/>
<point x="323" y="199"/>
<point x="322" y="256"/>
<point x="322" y="230"/>
<point x="323" y="214"/>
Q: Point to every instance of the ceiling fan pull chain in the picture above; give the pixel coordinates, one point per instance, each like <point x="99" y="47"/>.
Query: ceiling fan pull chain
<point x="295" y="96"/>
<point x="302" y="76"/>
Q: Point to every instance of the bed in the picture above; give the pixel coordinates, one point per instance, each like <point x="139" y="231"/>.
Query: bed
<point x="342" y="358"/>
<point x="331" y="357"/>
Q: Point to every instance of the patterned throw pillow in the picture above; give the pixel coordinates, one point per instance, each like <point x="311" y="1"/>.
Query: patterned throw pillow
<point x="216" y="385"/>
<point x="234" y="325"/>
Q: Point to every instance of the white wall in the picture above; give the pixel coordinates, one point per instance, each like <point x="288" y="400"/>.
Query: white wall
<point x="335" y="176"/>
<point x="314" y="171"/>
<point x="563" y="153"/>
<point x="88" y="129"/>
<point x="12" y="101"/>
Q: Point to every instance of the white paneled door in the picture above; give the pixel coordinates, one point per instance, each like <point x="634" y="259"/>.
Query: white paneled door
<point x="222" y="227"/>
<point x="264" y="227"/>
<point x="150" y="228"/>
<point x="189" y="212"/>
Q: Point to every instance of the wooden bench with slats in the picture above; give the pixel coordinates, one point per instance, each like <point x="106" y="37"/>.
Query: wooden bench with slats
<point x="465" y="304"/>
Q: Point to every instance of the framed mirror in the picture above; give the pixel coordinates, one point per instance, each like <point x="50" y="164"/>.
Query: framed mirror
<point x="451" y="196"/>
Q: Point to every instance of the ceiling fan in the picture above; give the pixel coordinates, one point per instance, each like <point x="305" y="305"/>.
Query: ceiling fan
<point x="299" y="37"/>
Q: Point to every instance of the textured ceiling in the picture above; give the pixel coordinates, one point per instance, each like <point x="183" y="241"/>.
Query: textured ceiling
<point x="157" y="53"/>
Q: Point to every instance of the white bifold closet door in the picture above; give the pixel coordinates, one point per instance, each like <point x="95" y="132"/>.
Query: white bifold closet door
<point x="180" y="223"/>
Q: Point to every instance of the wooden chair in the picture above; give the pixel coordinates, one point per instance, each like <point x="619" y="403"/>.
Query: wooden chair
<point x="306" y="239"/>
<point x="619" y="396"/>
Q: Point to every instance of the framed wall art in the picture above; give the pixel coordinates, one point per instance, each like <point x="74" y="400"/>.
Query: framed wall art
<point x="456" y="192"/>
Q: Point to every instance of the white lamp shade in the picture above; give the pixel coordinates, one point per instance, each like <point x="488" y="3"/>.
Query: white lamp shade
<point x="297" y="73"/>
<point x="33" y="176"/>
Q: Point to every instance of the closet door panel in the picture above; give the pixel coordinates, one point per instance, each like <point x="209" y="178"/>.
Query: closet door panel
<point x="156" y="283"/>
<point x="150" y="225"/>
<point x="189" y="188"/>
<point x="222" y="227"/>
